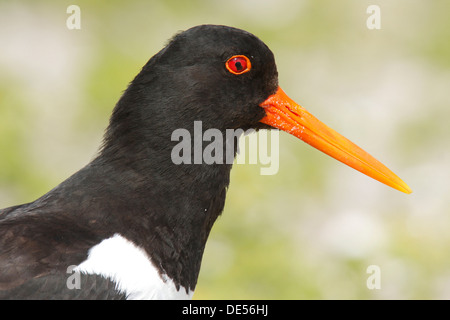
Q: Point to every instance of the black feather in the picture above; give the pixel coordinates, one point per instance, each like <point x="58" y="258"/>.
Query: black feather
<point x="132" y="187"/>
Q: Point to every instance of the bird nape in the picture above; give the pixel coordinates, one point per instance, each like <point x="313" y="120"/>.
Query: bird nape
<point x="133" y="223"/>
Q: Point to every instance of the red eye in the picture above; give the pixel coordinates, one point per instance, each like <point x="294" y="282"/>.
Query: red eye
<point x="238" y="64"/>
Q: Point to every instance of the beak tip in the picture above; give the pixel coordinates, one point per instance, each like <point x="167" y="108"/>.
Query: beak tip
<point x="408" y="190"/>
<point x="401" y="186"/>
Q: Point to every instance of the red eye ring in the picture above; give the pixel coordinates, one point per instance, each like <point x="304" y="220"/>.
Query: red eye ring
<point x="238" y="64"/>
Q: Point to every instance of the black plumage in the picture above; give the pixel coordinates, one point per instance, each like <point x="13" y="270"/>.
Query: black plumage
<point x="132" y="187"/>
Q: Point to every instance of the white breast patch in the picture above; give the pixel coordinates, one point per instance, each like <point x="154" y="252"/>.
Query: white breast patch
<point x="131" y="269"/>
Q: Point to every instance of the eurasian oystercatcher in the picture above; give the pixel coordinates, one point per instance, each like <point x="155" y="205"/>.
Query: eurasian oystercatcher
<point x="132" y="223"/>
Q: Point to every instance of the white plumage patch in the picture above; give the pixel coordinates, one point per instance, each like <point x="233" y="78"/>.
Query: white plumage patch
<point x="131" y="269"/>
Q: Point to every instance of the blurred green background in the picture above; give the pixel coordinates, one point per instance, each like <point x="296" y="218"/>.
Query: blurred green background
<point x="310" y="231"/>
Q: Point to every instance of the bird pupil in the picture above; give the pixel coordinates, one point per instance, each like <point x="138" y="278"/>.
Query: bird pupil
<point x="238" y="65"/>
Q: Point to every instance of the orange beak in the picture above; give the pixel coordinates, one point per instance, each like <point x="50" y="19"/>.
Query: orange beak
<point x="283" y="113"/>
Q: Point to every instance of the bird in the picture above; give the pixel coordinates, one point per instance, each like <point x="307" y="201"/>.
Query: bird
<point x="132" y="223"/>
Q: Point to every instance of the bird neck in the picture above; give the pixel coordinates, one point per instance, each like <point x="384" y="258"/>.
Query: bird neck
<point x="166" y="208"/>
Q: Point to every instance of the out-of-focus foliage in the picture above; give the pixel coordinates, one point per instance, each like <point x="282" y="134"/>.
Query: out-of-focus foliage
<point x="311" y="230"/>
